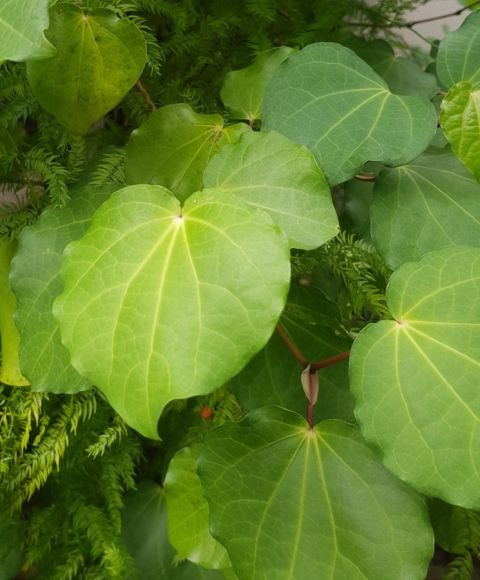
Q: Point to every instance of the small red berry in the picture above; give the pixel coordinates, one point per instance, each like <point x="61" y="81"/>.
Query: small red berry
<point x="206" y="413"/>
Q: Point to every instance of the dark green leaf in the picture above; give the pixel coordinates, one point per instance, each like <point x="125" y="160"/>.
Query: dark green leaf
<point x="173" y="146"/>
<point x="431" y="203"/>
<point x="99" y="58"/>
<point x="458" y="57"/>
<point x="289" y="502"/>
<point x="328" y="99"/>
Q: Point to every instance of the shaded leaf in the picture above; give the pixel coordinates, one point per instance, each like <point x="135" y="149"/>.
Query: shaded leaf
<point x="22" y="25"/>
<point x="458" y="57"/>
<point x="188" y="525"/>
<point x="415" y="378"/>
<point x="162" y="303"/>
<point x="36" y="282"/>
<point x="243" y="90"/>
<point x="428" y="204"/>
<point x="11" y="532"/>
<point x="282" y="500"/>
<point x="99" y="58"/>
<point x="460" y="120"/>
<point x="270" y="172"/>
<point x="173" y="146"/>
<point x="144" y="533"/>
<point x="328" y="99"/>
<point x="273" y="376"/>
<point x="456" y="529"/>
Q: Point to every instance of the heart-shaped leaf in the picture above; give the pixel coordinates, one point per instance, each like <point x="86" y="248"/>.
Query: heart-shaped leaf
<point x="460" y="120"/>
<point x="282" y="496"/>
<point x="403" y="76"/>
<point x="431" y="203"/>
<point x="458" y="57"/>
<point x="273" y="376"/>
<point x="188" y="527"/>
<point x="22" y="23"/>
<point x="243" y="90"/>
<point x="270" y="172"/>
<point x="162" y="303"/>
<point x="328" y="99"/>
<point x="36" y="282"/>
<point x="99" y="58"/>
<point x="173" y="146"/>
<point x="415" y="378"/>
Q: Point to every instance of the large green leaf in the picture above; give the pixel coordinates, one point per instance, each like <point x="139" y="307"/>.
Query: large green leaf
<point x="273" y="376"/>
<point x="163" y="303"/>
<point x="328" y="99"/>
<point x="272" y="173"/>
<point x="415" y="378"/>
<point x="188" y="529"/>
<point x="458" y="57"/>
<point x="403" y="76"/>
<point x="460" y="120"/>
<point x="22" y="23"/>
<point x="431" y="203"/>
<point x="173" y="146"/>
<point x="243" y="90"/>
<point x="144" y="533"/>
<point x="99" y="58"/>
<point x="293" y="503"/>
<point x="36" y="282"/>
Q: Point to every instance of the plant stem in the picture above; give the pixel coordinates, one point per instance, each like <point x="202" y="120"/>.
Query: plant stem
<point x="327" y="362"/>
<point x="146" y="97"/>
<point x="292" y="346"/>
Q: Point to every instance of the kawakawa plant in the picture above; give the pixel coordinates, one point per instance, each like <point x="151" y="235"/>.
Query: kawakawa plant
<point x="182" y="315"/>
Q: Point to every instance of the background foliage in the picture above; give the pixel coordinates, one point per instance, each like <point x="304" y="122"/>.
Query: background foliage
<point x="83" y="494"/>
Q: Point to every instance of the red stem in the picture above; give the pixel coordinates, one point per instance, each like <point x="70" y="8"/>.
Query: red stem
<point x="292" y="346"/>
<point x="330" y="361"/>
<point x="146" y="97"/>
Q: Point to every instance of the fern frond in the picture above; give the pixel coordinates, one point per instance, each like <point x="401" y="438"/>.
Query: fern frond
<point x="110" y="169"/>
<point x="461" y="568"/>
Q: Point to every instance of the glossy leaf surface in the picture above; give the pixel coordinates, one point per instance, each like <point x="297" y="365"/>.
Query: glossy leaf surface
<point x="36" y="282"/>
<point x="173" y="146"/>
<point x="22" y="25"/>
<point x="415" y="378"/>
<point x="328" y="99"/>
<point x="243" y="90"/>
<point x="162" y="303"/>
<point x="458" y="57"/>
<point x="270" y="172"/>
<point x="188" y="523"/>
<point x="460" y="120"/>
<point x="428" y="204"/>
<point x="99" y="58"/>
<point x="273" y="376"/>
<point x="284" y="507"/>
